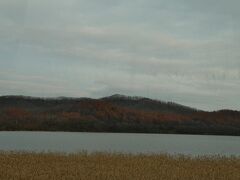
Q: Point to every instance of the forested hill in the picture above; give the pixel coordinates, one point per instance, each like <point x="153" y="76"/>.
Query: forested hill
<point x="117" y="113"/>
<point x="146" y="104"/>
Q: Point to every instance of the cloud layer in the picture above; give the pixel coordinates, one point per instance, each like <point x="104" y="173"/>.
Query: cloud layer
<point x="177" y="50"/>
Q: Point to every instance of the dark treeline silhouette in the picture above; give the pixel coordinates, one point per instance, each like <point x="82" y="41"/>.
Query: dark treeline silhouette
<point x="116" y="113"/>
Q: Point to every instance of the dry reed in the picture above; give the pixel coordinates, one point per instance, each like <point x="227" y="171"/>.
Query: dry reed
<point x="105" y="166"/>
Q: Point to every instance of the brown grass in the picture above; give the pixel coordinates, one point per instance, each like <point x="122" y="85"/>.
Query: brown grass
<point x="103" y="166"/>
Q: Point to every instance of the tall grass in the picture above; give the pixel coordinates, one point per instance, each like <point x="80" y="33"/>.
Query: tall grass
<point x="104" y="166"/>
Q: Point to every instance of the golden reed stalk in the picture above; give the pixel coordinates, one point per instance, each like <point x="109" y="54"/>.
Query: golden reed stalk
<point x="114" y="166"/>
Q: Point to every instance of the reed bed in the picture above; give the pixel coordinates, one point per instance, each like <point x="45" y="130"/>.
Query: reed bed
<point x="114" y="166"/>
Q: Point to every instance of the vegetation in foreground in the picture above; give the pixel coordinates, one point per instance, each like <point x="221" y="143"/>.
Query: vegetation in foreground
<point x="21" y="165"/>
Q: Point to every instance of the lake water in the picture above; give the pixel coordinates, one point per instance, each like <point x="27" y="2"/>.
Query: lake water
<point x="120" y="142"/>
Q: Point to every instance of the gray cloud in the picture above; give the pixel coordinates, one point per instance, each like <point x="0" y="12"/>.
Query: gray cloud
<point x="184" y="51"/>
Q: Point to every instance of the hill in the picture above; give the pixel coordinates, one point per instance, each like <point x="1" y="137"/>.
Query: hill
<point x="117" y="113"/>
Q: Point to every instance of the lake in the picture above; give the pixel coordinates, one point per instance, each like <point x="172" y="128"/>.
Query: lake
<point x="71" y="142"/>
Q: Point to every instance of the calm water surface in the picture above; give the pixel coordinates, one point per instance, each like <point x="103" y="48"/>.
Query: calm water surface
<point x="115" y="142"/>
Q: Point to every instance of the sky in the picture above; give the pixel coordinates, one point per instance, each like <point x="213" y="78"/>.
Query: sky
<point x="186" y="51"/>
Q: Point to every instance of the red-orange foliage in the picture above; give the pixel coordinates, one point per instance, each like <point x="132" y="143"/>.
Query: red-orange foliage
<point x="70" y="115"/>
<point x="16" y="113"/>
<point x="99" y="115"/>
<point x="105" y="110"/>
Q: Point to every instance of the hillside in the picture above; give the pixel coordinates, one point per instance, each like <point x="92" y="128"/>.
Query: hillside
<point x="146" y="104"/>
<point x="117" y="113"/>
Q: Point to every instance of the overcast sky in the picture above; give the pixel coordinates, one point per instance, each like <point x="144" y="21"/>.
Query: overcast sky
<point x="186" y="51"/>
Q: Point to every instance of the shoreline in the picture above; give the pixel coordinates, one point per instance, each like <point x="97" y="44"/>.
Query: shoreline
<point x="115" y="132"/>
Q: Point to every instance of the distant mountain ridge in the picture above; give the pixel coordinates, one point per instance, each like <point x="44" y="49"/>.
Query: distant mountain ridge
<point x="116" y="113"/>
<point x="115" y="98"/>
<point x="148" y="104"/>
<point x="121" y="96"/>
<point x="118" y="99"/>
